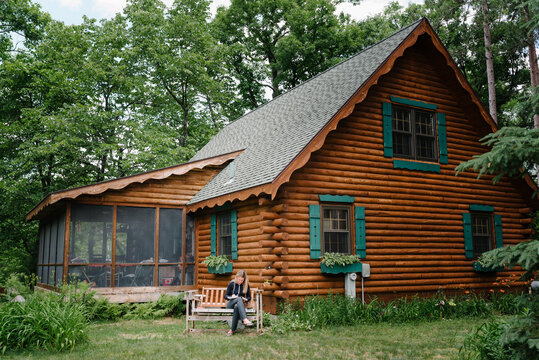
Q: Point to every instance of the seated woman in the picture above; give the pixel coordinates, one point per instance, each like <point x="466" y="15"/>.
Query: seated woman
<point x="236" y="297"/>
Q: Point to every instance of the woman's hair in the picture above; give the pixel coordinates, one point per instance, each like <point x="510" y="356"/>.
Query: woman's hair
<point x="243" y="274"/>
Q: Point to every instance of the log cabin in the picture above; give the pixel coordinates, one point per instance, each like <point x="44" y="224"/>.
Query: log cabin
<point x="360" y="159"/>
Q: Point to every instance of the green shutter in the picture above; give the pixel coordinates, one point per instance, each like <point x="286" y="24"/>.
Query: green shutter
<point x="360" y="231"/>
<point x="388" y="129"/>
<point x="213" y="235"/>
<point x="498" y="230"/>
<point x="314" y="231"/>
<point x="442" y="138"/>
<point x="234" y="233"/>
<point x="468" y="244"/>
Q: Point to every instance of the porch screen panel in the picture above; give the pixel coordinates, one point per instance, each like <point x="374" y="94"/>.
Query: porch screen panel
<point x="134" y="275"/>
<point x="59" y="272"/>
<point x="47" y="243"/>
<point x="54" y="234"/>
<point x="190" y="239"/>
<point x="135" y="235"/>
<point x="61" y="239"/>
<point x="170" y="235"/>
<point x="41" y="243"/>
<point x="52" y="275"/>
<point x="95" y="275"/>
<point x="189" y="275"/>
<point x="40" y="274"/>
<point x="91" y="234"/>
<point x="170" y="275"/>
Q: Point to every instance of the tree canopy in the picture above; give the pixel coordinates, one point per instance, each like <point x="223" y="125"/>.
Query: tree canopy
<point x="150" y="86"/>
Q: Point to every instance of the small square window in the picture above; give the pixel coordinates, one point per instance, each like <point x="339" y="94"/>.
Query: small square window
<point x="336" y="229"/>
<point x="481" y="233"/>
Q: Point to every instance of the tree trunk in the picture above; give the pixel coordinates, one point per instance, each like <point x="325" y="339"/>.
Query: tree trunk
<point x="490" y="64"/>
<point x="532" y="58"/>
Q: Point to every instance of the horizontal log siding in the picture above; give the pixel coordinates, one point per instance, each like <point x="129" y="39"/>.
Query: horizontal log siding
<point x="172" y="191"/>
<point x="252" y="257"/>
<point x="414" y="230"/>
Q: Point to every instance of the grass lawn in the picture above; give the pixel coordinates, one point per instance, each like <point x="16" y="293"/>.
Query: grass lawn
<point x="164" y="339"/>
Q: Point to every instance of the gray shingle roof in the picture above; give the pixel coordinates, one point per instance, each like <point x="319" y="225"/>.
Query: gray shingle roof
<point x="275" y="133"/>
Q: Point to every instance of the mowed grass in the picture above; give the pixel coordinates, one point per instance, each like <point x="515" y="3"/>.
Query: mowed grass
<point x="165" y="339"/>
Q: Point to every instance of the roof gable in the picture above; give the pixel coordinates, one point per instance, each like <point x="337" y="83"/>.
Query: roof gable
<point x="275" y="135"/>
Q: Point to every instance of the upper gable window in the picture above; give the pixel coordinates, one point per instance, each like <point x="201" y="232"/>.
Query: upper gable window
<point x="414" y="134"/>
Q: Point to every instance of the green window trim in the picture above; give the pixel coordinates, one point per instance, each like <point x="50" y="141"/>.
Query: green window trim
<point x="416" y="103"/>
<point x="388" y="129"/>
<point x="486" y="208"/>
<point x="387" y="115"/>
<point x="414" y="165"/>
<point x="315" y="229"/>
<point x="359" y="214"/>
<point x="467" y="227"/>
<point x="442" y="138"/>
<point x="337" y="198"/>
<point x="498" y="231"/>
<point x="233" y="230"/>
<point x="315" y="232"/>
<point x="213" y="235"/>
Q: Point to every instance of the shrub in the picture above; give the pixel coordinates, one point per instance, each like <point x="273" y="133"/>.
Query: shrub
<point x="337" y="310"/>
<point x="44" y="321"/>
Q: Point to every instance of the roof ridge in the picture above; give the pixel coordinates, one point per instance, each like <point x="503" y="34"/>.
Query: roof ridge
<point x="415" y="23"/>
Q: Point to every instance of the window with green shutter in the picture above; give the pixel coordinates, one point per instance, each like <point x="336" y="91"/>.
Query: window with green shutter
<point x="330" y="226"/>
<point x="482" y="230"/>
<point x="414" y="134"/>
<point x="224" y="234"/>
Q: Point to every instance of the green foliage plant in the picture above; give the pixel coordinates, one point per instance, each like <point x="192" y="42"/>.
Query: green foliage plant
<point x="337" y="310"/>
<point x="216" y="261"/>
<point x="337" y="259"/>
<point x="46" y="320"/>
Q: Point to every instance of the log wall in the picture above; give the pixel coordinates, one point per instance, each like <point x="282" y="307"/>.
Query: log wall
<point x="175" y="190"/>
<point x="259" y="247"/>
<point x="414" y="230"/>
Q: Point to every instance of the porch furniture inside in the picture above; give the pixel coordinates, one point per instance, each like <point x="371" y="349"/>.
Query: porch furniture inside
<point x="210" y="305"/>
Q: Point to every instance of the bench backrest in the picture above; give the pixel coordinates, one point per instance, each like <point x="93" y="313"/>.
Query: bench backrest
<point x="215" y="297"/>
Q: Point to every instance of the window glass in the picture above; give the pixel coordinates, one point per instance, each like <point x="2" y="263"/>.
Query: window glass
<point x="170" y="235"/>
<point x="134" y="275"/>
<point x="61" y="239"/>
<point x="414" y="133"/>
<point x="135" y="235"/>
<point x="54" y="234"/>
<point x="190" y="238"/>
<point x="170" y="275"/>
<point x="481" y="233"/>
<point x="91" y="234"/>
<point x="336" y="229"/>
<point x="225" y="234"/>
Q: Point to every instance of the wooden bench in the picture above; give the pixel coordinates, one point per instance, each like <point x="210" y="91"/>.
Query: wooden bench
<point x="210" y="305"/>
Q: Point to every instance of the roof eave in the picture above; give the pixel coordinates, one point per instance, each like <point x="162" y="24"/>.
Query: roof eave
<point x="120" y="183"/>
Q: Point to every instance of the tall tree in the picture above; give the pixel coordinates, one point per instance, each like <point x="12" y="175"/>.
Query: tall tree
<point x="489" y="61"/>
<point x="276" y="45"/>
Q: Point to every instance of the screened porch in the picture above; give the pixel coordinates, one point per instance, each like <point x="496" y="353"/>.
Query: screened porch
<point x="113" y="246"/>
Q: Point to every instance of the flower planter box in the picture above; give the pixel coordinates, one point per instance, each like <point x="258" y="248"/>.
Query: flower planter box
<point x="352" y="268"/>
<point x="477" y="267"/>
<point x="221" y="270"/>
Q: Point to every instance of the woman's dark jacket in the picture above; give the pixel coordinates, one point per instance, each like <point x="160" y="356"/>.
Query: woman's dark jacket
<point x="236" y="289"/>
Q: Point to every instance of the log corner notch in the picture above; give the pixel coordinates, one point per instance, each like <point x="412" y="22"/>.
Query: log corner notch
<point x="276" y="271"/>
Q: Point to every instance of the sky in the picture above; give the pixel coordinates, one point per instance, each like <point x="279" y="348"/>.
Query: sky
<point x="71" y="11"/>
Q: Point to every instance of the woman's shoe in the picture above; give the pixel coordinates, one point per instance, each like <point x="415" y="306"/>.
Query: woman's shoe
<point x="230" y="333"/>
<point x="246" y="322"/>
